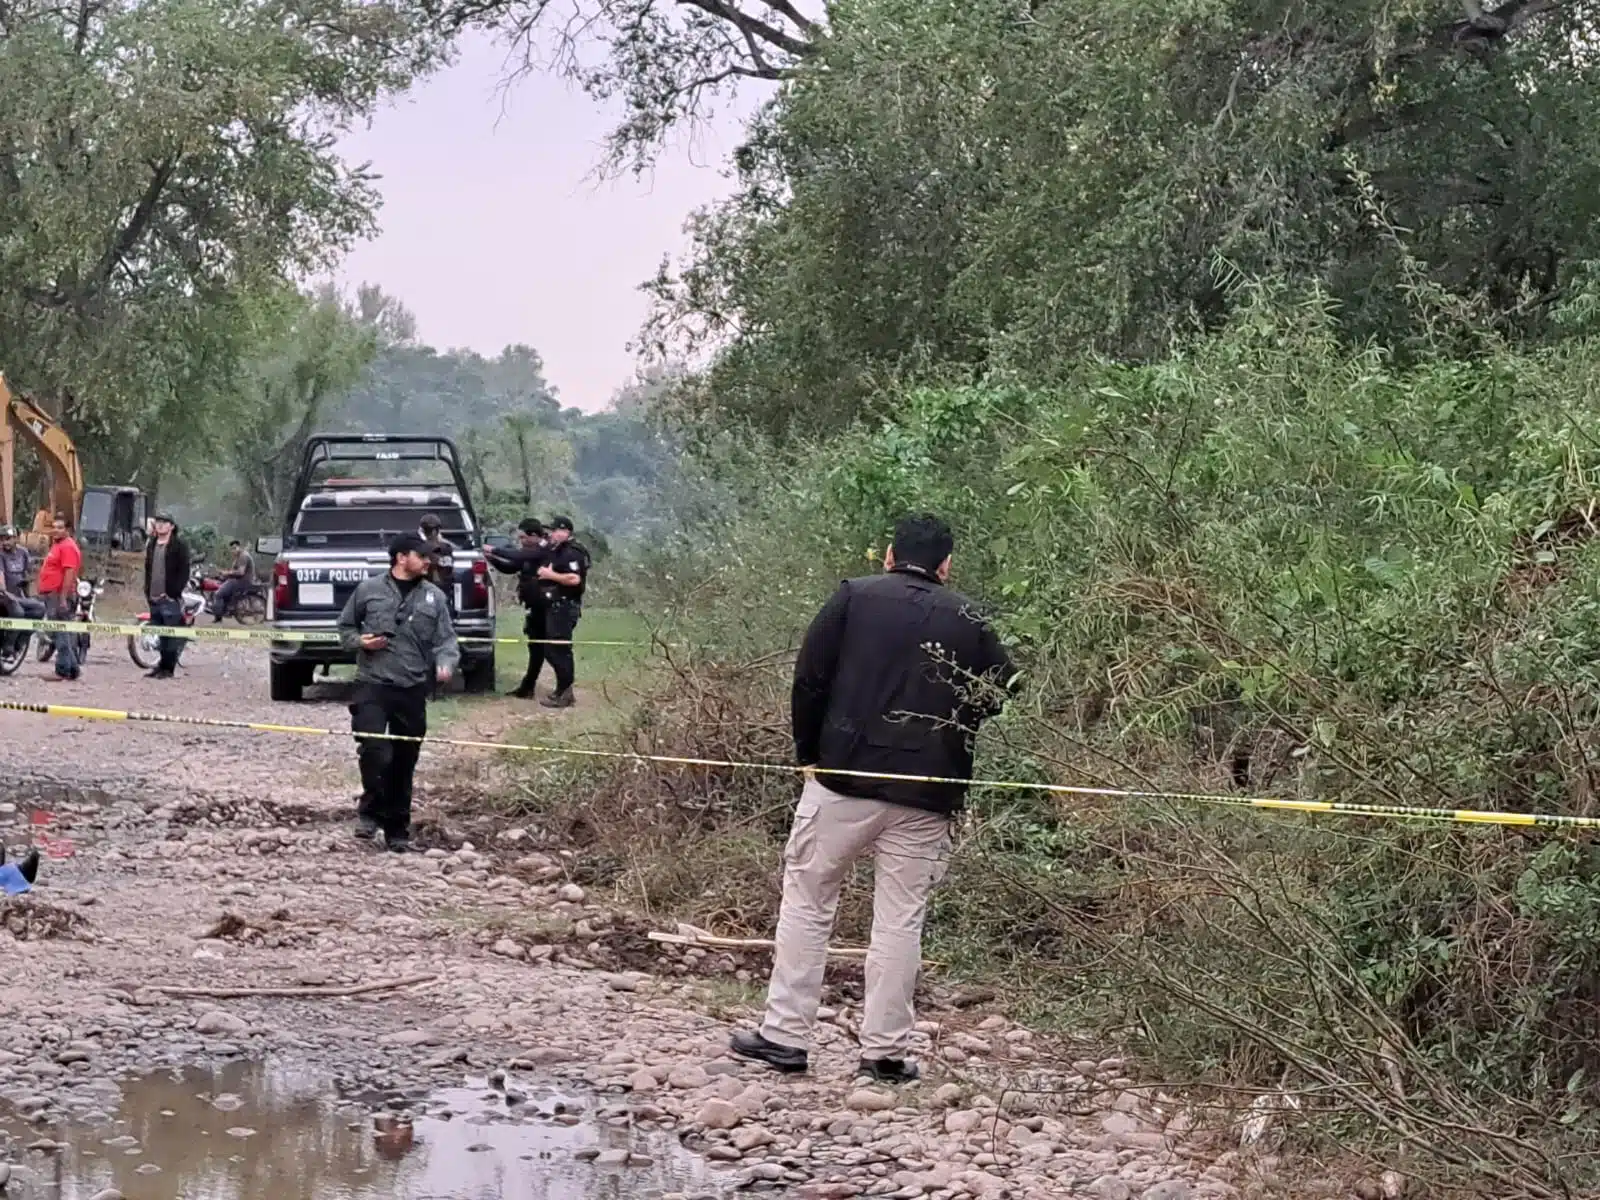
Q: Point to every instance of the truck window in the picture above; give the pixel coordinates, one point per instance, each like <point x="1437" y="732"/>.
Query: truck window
<point x="376" y="520"/>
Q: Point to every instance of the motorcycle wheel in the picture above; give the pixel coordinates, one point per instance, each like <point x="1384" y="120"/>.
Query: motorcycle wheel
<point x="13" y="655"/>
<point x="83" y="648"/>
<point x="145" y="648"/>
<point x="46" y="647"/>
<point x="250" y="609"/>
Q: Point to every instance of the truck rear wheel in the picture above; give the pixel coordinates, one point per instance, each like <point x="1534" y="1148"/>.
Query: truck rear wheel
<point x="289" y="681"/>
<point x="478" y="677"/>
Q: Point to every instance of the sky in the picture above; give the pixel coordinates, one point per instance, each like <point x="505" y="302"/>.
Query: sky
<point x="495" y="229"/>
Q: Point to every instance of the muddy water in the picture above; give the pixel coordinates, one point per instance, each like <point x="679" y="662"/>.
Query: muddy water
<point x="273" y="1132"/>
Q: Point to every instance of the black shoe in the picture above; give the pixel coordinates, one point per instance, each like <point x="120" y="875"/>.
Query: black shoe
<point x="366" y="828"/>
<point x="29" y="867"/>
<point x="522" y="691"/>
<point x="889" y="1070"/>
<point x="749" y="1043"/>
<point x="397" y="845"/>
<point x="159" y="673"/>
<point x="562" y="699"/>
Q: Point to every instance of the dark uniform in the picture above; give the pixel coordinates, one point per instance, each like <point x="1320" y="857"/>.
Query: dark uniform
<point x="524" y="562"/>
<point x="563" y="606"/>
<point x="392" y="688"/>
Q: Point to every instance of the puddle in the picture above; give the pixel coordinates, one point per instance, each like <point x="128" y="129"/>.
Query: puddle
<point x="265" y="1131"/>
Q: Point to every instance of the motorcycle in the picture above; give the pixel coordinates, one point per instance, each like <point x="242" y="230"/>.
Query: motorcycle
<point x="14" y="645"/>
<point x="249" y="606"/>
<point x="82" y="609"/>
<point x="145" y="647"/>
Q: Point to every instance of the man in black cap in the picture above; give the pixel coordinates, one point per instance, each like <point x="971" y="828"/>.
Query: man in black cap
<point x="441" y="551"/>
<point x="166" y="573"/>
<point x="398" y="623"/>
<point x="525" y="562"/>
<point x="562" y="580"/>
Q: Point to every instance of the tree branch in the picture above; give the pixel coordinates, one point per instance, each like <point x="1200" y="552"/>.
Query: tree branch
<point x="754" y="26"/>
<point x="144" y="212"/>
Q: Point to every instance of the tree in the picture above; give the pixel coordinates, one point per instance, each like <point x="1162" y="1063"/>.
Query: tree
<point x="669" y="61"/>
<point x="948" y="188"/>
<point x="163" y="163"/>
<point x="320" y="351"/>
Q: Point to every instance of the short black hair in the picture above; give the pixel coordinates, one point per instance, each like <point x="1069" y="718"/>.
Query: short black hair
<point x="430" y="521"/>
<point x="406" y="543"/>
<point x="922" y="540"/>
<point x="235" y="542"/>
<point x="531" y="526"/>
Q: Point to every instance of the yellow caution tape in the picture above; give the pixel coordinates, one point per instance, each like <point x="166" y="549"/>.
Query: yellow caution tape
<point x="1333" y="807"/>
<point x="220" y="633"/>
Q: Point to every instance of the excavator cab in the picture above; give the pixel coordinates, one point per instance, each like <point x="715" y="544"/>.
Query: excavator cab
<point x="113" y="517"/>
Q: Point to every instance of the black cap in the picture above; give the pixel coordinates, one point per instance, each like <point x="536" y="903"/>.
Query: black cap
<point x="407" y="543"/>
<point x="561" y="523"/>
<point x="531" y="526"/>
<point x="165" y="515"/>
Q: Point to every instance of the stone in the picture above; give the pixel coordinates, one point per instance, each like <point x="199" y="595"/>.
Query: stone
<point x="1109" y="1187"/>
<point x="642" y="1081"/>
<point x="1169" y="1189"/>
<point x="867" y="1100"/>
<point x="718" y="1114"/>
<point x="688" y="1076"/>
<point x="571" y="893"/>
<point x="411" y="1037"/>
<point x="750" y="1137"/>
<point x="946" y="1095"/>
<point x="107" y="1194"/>
<point x="506" y="948"/>
<point x="621" y="983"/>
<point x="611" y="1158"/>
<point x="217" y="1023"/>
<point x="963" y="1121"/>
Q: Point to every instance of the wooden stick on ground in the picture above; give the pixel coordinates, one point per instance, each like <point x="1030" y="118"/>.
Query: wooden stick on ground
<point x="298" y="993"/>
<point x="689" y="935"/>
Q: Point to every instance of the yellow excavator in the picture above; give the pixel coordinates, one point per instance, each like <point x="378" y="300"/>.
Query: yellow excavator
<point x="109" y="517"/>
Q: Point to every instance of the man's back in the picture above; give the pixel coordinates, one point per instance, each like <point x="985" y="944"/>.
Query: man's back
<point x="895" y="675"/>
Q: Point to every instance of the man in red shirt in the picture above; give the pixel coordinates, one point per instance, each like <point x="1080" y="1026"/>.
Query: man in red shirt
<point x="58" y="582"/>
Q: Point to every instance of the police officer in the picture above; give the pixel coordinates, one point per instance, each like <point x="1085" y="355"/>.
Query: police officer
<point x="441" y="552"/>
<point x="562" y="580"/>
<point x="399" y="625"/>
<point x="524" y="562"/>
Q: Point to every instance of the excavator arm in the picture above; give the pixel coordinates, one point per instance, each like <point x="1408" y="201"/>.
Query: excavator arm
<point x="54" y="447"/>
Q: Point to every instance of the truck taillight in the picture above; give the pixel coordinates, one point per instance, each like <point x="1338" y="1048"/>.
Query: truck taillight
<point x="280" y="585"/>
<point x="480" y="584"/>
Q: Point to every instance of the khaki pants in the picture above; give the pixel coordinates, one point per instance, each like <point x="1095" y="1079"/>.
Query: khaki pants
<point x="910" y="850"/>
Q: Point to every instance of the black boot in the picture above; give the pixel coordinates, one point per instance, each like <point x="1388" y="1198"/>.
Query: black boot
<point x="749" y="1043"/>
<point x="889" y="1070"/>
<point x="562" y="699"/>
<point x="29" y="867"/>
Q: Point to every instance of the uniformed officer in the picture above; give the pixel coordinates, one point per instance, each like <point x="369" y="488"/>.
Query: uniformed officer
<point x="562" y="580"/>
<point x="525" y="562"/>
<point x="399" y="625"/>
<point x="441" y="552"/>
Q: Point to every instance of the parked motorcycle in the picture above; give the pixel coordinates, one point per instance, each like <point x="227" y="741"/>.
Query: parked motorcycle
<point x="145" y="647"/>
<point x="249" y="606"/>
<point x="14" y="645"/>
<point x="82" y="609"/>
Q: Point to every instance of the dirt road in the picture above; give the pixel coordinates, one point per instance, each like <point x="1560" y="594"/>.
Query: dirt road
<point x="209" y="858"/>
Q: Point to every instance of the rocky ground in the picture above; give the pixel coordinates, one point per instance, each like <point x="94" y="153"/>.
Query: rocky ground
<point x="217" y="859"/>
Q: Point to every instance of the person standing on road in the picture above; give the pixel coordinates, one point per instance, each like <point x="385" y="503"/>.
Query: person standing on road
<point x="237" y="580"/>
<point x="894" y="677"/>
<point x="563" y="578"/>
<point x="166" y="572"/>
<point x="525" y="562"/>
<point x="58" y="584"/>
<point x="399" y="625"/>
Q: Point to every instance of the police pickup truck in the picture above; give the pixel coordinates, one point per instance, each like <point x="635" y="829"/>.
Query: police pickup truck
<point x="336" y="533"/>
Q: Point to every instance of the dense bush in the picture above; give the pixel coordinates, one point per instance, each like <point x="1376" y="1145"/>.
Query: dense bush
<point x="1267" y="565"/>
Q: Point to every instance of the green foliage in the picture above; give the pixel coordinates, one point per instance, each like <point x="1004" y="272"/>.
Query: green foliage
<point x="164" y="166"/>
<point x="1267" y="564"/>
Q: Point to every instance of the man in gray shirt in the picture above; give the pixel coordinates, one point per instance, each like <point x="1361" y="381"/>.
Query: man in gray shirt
<point x="236" y="581"/>
<point x="399" y="625"/>
<point x="17" y="565"/>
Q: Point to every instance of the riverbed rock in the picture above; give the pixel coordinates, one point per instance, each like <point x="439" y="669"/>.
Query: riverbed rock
<point x="718" y="1114"/>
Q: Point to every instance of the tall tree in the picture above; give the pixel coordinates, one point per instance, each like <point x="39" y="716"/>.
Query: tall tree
<point x="162" y="162"/>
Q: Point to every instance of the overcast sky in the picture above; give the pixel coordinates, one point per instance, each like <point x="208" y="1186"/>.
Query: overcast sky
<point x="495" y="231"/>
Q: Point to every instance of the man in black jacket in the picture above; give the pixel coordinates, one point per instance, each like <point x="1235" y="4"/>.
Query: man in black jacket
<point x="166" y="573"/>
<point x="894" y="677"/>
